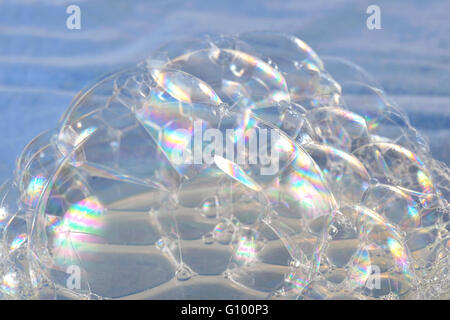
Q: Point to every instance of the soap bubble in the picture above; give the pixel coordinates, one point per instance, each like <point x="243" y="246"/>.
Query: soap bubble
<point x="235" y="167"/>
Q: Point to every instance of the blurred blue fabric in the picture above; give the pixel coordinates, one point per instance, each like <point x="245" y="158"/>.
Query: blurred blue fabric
<point x="43" y="64"/>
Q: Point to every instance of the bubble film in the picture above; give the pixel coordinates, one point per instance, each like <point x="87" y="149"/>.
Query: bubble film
<point x="235" y="167"/>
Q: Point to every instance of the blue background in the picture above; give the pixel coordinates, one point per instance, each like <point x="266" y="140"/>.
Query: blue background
<point x="43" y="64"/>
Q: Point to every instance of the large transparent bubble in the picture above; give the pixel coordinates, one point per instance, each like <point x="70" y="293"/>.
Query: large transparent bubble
<point x="234" y="167"/>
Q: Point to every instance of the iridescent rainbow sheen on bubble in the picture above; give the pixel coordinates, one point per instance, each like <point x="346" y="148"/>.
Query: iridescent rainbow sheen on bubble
<point x="265" y="70"/>
<point x="424" y="181"/>
<point x="78" y="232"/>
<point x="360" y="269"/>
<point x="84" y="216"/>
<point x="9" y="283"/>
<point x="246" y="250"/>
<point x="163" y="79"/>
<point x="399" y="254"/>
<point x="179" y="86"/>
<point x="297" y="282"/>
<point x="18" y="241"/>
<point x="235" y="172"/>
<point x="34" y="189"/>
<point x="84" y="134"/>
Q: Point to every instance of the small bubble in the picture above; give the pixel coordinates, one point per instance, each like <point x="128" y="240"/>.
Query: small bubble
<point x="208" y="208"/>
<point x="333" y="230"/>
<point x="223" y="233"/>
<point x="114" y="145"/>
<point x="208" y="238"/>
<point x="222" y="108"/>
<point x="160" y="244"/>
<point x="183" y="274"/>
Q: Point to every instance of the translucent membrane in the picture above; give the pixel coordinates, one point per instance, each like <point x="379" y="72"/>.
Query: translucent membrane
<point x="239" y="78"/>
<point x="228" y="168"/>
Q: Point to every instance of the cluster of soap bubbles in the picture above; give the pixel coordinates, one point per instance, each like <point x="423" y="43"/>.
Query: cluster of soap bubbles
<point x="355" y="207"/>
